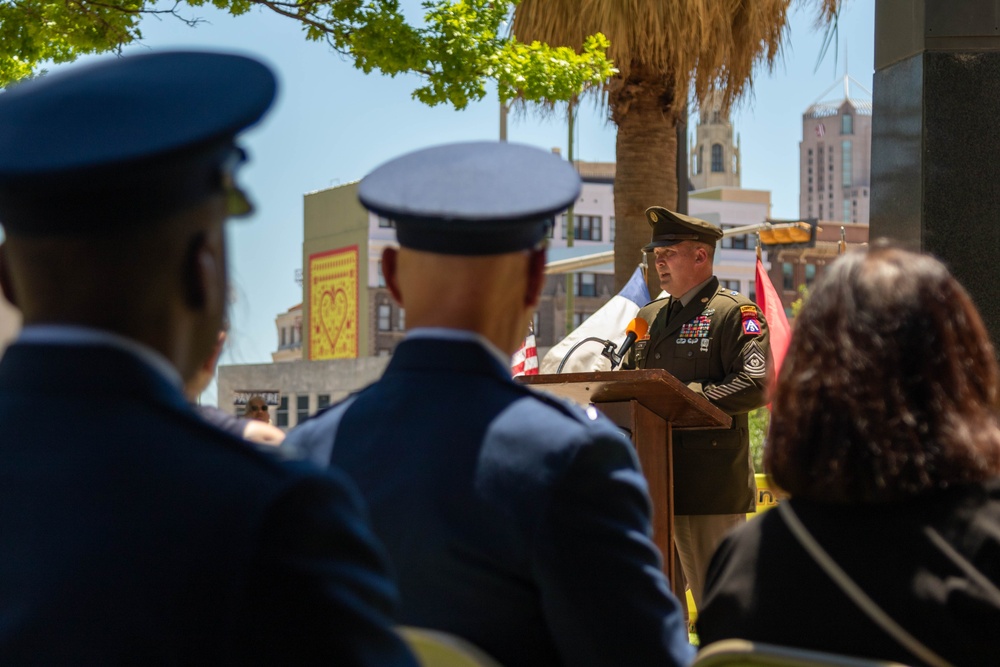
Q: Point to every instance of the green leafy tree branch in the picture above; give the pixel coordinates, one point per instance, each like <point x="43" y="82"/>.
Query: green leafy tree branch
<point x="459" y="49"/>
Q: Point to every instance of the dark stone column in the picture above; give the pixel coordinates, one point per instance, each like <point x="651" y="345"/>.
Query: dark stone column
<point x="936" y="137"/>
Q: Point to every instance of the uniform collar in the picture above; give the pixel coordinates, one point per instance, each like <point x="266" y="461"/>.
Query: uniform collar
<point x="72" y="335"/>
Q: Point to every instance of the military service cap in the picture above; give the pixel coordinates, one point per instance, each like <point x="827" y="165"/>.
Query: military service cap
<point x="671" y="228"/>
<point x="126" y="140"/>
<point x="476" y="198"/>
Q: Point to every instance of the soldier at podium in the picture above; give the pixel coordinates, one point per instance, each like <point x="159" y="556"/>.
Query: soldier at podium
<point x="715" y="340"/>
<point x="513" y="519"/>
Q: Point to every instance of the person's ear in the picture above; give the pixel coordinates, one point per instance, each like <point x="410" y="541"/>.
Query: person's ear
<point x="536" y="277"/>
<point x="700" y="255"/>
<point x="390" y="272"/>
<point x="203" y="264"/>
<point x="6" y="284"/>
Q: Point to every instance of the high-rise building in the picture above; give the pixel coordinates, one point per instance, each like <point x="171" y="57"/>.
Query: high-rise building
<point x="835" y="155"/>
<point x="714" y="156"/>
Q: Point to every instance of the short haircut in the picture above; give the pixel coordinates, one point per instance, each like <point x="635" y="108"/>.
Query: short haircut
<point x="890" y="385"/>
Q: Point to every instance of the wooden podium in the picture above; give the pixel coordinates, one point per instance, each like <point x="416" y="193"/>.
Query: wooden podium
<point x="650" y="404"/>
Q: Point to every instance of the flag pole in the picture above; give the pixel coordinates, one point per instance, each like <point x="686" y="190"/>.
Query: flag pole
<point x="758" y="246"/>
<point x="843" y="241"/>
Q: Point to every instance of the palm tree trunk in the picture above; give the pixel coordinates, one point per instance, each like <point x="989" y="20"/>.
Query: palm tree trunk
<point x="646" y="170"/>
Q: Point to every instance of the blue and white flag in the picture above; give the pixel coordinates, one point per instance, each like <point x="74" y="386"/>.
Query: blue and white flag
<point x="608" y="323"/>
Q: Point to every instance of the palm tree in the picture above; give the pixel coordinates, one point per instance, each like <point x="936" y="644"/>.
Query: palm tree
<point x="662" y="49"/>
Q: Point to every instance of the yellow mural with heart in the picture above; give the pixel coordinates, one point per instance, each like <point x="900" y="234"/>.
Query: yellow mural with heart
<point x="333" y="304"/>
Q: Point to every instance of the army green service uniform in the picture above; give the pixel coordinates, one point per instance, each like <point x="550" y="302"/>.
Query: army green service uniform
<point x="717" y="345"/>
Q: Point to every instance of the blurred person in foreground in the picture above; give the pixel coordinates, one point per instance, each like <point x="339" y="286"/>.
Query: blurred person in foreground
<point x="884" y="433"/>
<point x="135" y="533"/>
<point x="513" y="519"/>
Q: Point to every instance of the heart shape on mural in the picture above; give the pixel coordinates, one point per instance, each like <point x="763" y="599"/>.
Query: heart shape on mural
<point x="333" y="314"/>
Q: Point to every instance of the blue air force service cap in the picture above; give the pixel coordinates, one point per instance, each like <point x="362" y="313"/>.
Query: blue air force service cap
<point x="476" y="198"/>
<point x="126" y="140"/>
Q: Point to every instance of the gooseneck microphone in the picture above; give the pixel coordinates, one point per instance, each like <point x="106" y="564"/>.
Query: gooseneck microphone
<point x="637" y="328"/>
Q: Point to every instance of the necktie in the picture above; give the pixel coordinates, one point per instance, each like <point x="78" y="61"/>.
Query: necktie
<point x="675" y="309"/>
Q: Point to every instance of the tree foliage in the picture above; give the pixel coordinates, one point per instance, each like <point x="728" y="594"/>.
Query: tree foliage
<point x="459" y="48"/>
<point x="758" y="421"/>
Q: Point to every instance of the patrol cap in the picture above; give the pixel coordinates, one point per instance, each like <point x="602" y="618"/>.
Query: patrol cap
<point x="671" y="228"/>
<point x="126" y="140"/>
<point x="475" y="198"/>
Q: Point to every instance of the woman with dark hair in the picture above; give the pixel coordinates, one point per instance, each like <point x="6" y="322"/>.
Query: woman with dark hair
<point x="885" y="436"/>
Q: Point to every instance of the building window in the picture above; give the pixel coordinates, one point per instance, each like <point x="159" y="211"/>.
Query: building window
<point x="847" y="124"/>
<point x="730" y="284"/>
<point x="588" y="228"/>
<point x="717" y="159"/>
<point x="787" y="276"/>
<point x="382" y="352"/>
<point x="284" y="333"/>
<point x="384" y="317"/>
<point x="322" y="401"/>
<point x="584" y="284"/>
<point x="740" y="242"/>
<point x="847" y="175"/>
<point x="384" y="222"/>
<point x="585" y="227"/>
<point x="579" y="318"/>
<point x="810" y="274"/>
<point x="701" y="160"/>
<point x="847" y="210"/>
<point x="401" y="323"/>
<point x="821" y="211"/>
<point x="381" y="276"/>
<point x="612" y="229"/>
<point x="301" y="408"/>
<point x="535" y="321"/>
<point x="281" y="414"/>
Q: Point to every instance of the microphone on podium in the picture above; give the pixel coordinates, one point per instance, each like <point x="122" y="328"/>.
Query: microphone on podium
<point x="637" y="328"/>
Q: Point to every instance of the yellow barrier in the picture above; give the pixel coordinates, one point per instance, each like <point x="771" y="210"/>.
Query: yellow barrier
<point x="766" y="499"/>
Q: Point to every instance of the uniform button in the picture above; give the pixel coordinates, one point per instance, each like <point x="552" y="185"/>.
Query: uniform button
<point x="715" y="443"/>
<point x="656" y="356"/>
<point x="690" y="353"/>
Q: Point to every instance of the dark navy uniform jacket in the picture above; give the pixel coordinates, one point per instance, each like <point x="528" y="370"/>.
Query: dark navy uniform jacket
<point x="512" y="519"/>
<point x="134" y="533"/>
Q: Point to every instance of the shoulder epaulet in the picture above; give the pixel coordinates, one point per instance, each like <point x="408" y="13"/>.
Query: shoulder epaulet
<point x="732" y="295"/>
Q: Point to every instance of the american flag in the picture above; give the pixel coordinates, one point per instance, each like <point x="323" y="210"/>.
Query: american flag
<point x="525" y="360"/>
<point x="821" y="130"/>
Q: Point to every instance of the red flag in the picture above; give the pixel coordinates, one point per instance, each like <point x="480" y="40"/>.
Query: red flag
<point x="774" y="313"/>
<point x="525" y="360"/>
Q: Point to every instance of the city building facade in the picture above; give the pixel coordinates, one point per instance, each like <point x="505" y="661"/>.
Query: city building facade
<point x="713" y="155"/>
<point x="835" y="156"/>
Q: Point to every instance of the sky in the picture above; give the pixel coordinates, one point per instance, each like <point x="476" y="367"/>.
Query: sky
<point x="332" y="124"/>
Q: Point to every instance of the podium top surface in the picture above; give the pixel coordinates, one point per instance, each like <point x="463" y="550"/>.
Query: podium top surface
<point x="654" y="388"/>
